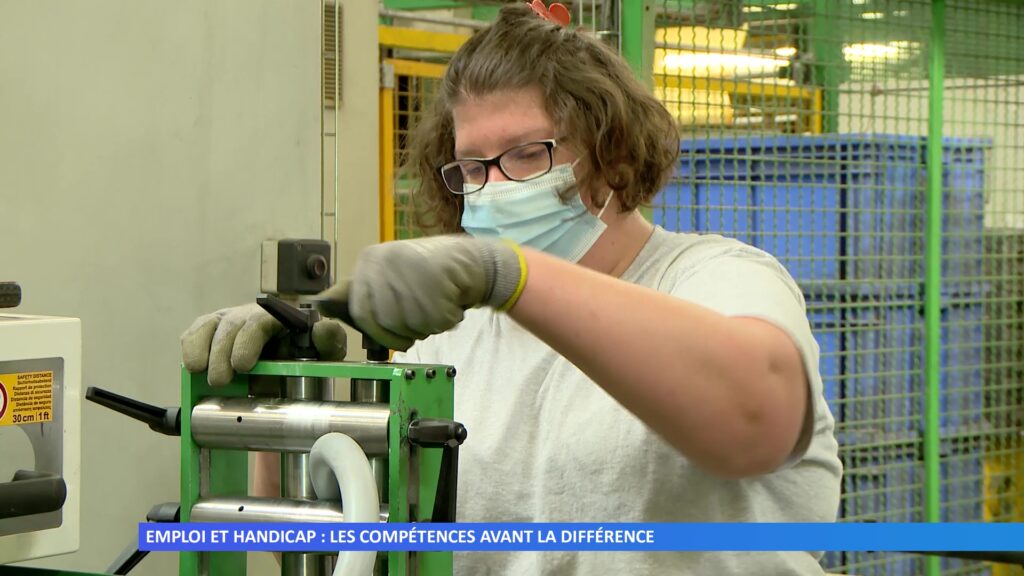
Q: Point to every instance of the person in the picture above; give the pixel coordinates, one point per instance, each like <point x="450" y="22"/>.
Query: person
<point x="608" y="370"/>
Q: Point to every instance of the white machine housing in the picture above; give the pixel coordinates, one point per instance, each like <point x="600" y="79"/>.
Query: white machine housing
<point x="32" y="344"/>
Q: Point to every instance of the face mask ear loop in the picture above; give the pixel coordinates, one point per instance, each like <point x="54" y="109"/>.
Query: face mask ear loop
<point x="607" y="201"/>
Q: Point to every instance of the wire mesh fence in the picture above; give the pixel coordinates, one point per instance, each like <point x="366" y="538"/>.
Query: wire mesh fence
<point x="805" y="132"/>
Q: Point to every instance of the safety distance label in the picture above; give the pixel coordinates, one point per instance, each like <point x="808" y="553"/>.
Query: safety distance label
<point x="26" y="398"/>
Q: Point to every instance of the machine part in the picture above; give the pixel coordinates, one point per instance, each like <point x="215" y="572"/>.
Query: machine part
<point x="294" y="266"/>
<point x="296" y="482"/>
<point x="295" y="472"/>
<point x="30" y="493"/>
<point x="286" y="425"/>
<point x="298" y="322"/>
<point x="163" y="420"/>
<point x="447" y="435"/>
<point x="412" y="472"/>
<point x="40" y="395"/>
<point x="271" y="510"/>
<point x="10" y="294"/>
<point x="340" y="471"/>
<point x="131" y="556"/>
<point x="375" y="392"/>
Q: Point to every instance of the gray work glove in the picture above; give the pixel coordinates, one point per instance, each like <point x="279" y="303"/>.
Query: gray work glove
<point x="232" y="339"/>
<point x="407" y="290"/>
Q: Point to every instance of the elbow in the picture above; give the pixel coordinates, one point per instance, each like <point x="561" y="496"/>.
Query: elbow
<point x="765" y="424"/>
<point x="754" y="451"/>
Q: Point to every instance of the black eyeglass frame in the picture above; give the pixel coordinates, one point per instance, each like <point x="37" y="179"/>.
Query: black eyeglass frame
<point x="550" y="144"/>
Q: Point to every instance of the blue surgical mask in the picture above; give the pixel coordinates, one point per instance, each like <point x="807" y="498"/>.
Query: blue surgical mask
<point x="533" y="214"/>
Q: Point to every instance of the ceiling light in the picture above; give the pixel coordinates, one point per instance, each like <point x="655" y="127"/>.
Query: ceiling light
<point x="872" y="16"/>
<point x="786" y="51"/>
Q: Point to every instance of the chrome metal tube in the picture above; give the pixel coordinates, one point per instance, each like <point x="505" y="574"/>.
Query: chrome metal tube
<point x="286" y="425"/>
<point x="270" y="510"/>
<point x="296" y="483"/>
<point x="375" y="391"/>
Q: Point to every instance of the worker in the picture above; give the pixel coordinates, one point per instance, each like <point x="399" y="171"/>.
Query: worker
<point x="608" y="370"/>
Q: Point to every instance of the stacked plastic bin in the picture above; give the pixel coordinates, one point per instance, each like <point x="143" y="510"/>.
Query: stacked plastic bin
<point x="846" y="215"/>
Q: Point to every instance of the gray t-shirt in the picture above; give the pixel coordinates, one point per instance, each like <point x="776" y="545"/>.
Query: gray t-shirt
<point x="546" y="444"/>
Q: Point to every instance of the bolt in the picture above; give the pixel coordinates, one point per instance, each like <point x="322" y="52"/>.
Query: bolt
<point x="410" y="374"/>
<point x="431" y="373"/>
<point x="450" y="372"/>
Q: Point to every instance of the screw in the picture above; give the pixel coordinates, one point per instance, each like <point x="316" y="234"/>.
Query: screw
<point x="431" y="373"/>
<point x="450" y="372"/>
<point x="410" y="374"/>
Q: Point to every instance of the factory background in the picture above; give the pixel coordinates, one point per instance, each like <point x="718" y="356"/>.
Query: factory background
<point x="876" y="147"/>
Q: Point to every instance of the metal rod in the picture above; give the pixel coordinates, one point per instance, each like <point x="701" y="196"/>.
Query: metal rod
<point x="296" y="482"/>
<point x="933" y="275"/>
<point x="374" y="392"/>
<point x="449" y="20"/>
<point x="270" y="510"/>
<point x="286" y="425"/>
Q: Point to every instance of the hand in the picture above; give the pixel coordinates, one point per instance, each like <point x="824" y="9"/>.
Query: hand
<point x="407" y="290"/>
<point x="232" y="339"/>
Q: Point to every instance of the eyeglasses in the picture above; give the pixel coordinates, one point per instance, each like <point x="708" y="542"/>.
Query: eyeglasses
<point x="521" y="163"/>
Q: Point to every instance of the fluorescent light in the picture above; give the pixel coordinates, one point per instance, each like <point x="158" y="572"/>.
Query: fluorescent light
<point x="786" y="51"/>
<point x="901" y="13"/>
<point x="752" y="9"/>
<point x="872" y="16"/>
<point x="789" y="6"/>
<point x="718" y="65"/>
<point x="858" y="2"/>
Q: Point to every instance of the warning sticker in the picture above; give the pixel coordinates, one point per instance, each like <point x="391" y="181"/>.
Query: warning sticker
<point x="26" y="398"/>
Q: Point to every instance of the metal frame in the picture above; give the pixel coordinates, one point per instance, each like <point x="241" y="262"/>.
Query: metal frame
<point x="415" y="391"/>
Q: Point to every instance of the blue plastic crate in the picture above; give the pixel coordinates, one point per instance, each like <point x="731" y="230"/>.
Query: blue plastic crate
<point x="963" y="355"/>
<point x="868" y="363"/>
<point x="829" y="208"/>
<point x="881" y="382"/>
<point x="963" y="187"/>
<point x="675" y="208"/>
<point x="826" y="325"/>
<point x="841" y="209"/>
<point x="833" y="207"/>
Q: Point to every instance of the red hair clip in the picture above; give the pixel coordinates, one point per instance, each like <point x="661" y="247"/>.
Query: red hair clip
<point x="556" y="13"/>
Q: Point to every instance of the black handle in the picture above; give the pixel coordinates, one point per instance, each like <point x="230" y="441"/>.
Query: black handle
<point x="32" y="493"/>
<point x="447" y="435"/>
<point x="163" y="420"/>
<point x="131" y="556"/>
<point x="10" y="294"/>
<point x="299" y="324"/>
<point x="375" y="352"/>
<point x="294" y="319"/>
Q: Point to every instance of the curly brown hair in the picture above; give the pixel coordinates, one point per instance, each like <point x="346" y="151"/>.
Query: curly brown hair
<point x="630" y="141"/>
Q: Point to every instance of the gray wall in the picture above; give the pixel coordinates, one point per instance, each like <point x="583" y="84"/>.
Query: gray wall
<point x="146" y="148"/>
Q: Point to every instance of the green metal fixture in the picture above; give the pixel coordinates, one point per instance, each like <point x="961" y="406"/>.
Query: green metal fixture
<point x="416" y="392"/>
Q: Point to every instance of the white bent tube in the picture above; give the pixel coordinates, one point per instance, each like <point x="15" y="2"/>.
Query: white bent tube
<point x="339" y="470"/>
